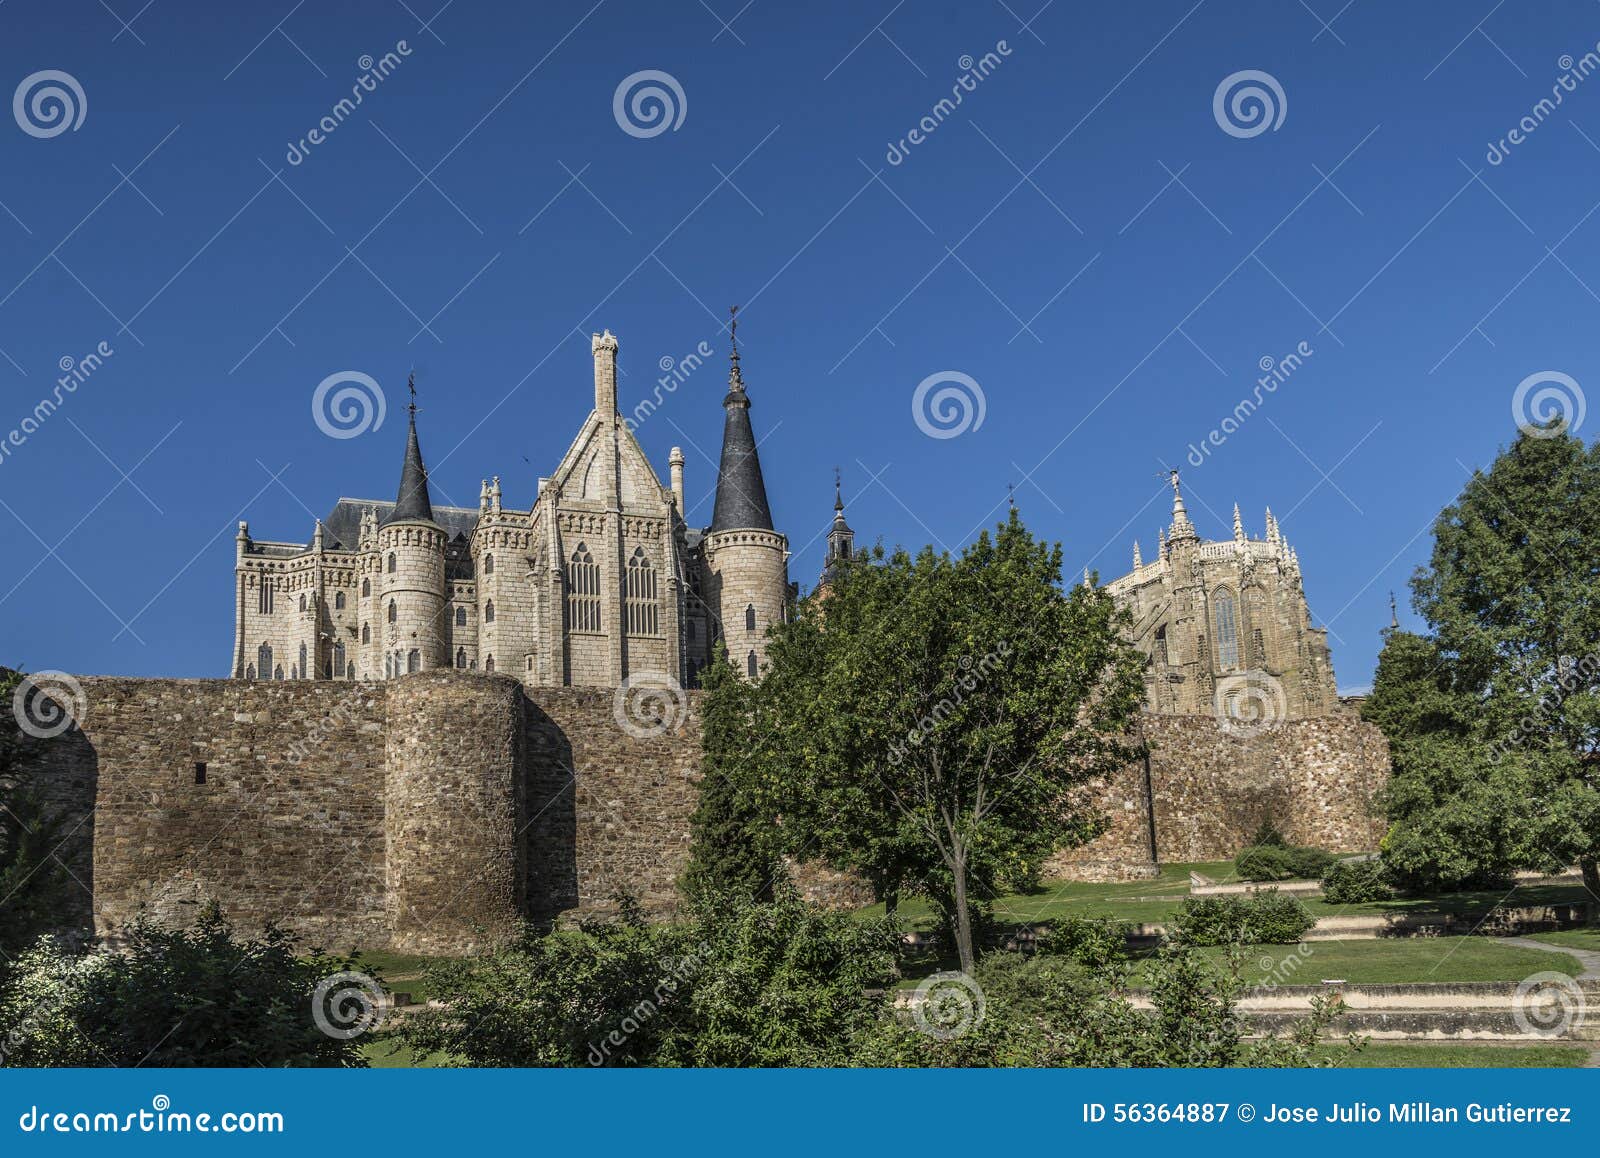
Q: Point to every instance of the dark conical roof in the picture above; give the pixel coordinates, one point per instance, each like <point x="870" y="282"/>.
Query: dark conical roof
<point x="741" y="492"/>
<point x="412" y="501"/>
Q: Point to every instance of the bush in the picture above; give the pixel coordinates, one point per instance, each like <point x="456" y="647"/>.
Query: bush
<point x="1268" y="836"/>
<point x="199" y="997"/>
<point x="1352" y="882"/>
<point x="1278" y="862"/>
<point x="1264" y="918"/>
<point x="1091" y="941"/>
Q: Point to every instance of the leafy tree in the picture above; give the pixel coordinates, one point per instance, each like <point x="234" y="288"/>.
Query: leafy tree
<point x="196" y="997"/>
<point x="734" y="845"/>
<point x="932" y="718"/>
<point x="1494" y="719"/>
<point x="738" y="983"/>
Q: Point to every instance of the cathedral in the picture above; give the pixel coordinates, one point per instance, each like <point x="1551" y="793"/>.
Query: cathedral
<point x="1226" y="625"/>
<point x="601" y="582"/>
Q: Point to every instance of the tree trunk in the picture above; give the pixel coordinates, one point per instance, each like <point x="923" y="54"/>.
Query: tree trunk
<point x="963" y="914"/>
<point x="1591" y="884"/>
<point x="891" y="898"/>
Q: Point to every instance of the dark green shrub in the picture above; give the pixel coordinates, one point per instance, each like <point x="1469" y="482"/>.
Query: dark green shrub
<point x="1269" y="862"/>
<point x="1264" y="918"/>
<point x="1092" y="941"/>
<point x="1352" y="882"/>
<point x="1310" y="863"/>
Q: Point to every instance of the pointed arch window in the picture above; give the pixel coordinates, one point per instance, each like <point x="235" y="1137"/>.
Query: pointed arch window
<point x="1227" y="628"/>
<point x="366" y="633"/>
<point x="338" y="658"/>
<point x="488" y="664"/>
<point x="250" y="671"/>
<point x="302" y="674"/>
<point x="302" y="602"/>
<point x="414" y="660"/>
<point x="394" y="613"/>
<point x="461" y="658"/>
<point x="488" y="564"/>
<point x="391" y="562"/>
<point x="277" y="672"/>
<point x="639" y="595"/>
<point x="583" y="592"/>
<point x="461" y="617"/>
<point x="366" y="587"/>
<point x="488" y="612"/>
<point x="750" y="665"/>
<point x="749" y="616"/>
<point x="264" y="597"/>
<point x="350" y="671"/>
<point x="338" y="600"/>
<point x="264" y="659"/>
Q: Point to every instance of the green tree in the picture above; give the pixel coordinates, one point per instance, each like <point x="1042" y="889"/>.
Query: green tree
<point x="1494" y="718"/>
<point x="932" y="718"/>
<point x="733" y="843"/>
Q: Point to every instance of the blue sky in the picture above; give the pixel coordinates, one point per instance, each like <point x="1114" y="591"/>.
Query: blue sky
<point x="1080" y="237"/>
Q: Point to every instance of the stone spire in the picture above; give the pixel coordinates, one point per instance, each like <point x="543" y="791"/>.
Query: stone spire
<point x="1238" y="525"/>
<point x="1137" y="561"/>
<point x="1272" y="527"/>
<point x="412" y="501"/>
<point x="841" y="539"/>
<point x="1161" y="543"/>
<point x="741" y="501"/>
<point x="1182" y="528"/>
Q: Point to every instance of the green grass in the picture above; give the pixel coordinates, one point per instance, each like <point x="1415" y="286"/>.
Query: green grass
<point x="1395" y="961"/>
<point x="384" y="1053"/>
<point x="401" y="972"/>
<point x="1472" y="902"/>
<point x="1409" y="1055"/>
<point x="1572" y="938"/>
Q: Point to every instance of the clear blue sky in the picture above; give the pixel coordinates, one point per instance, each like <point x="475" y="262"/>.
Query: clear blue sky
<point x="1080" y="236"/>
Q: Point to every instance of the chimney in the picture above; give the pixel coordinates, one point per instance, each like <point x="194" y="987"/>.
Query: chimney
<point x="604" y="347"/>
<point x="675" y="461"/>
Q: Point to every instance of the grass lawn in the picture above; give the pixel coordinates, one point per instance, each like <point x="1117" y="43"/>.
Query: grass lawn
<point x="1410" y="1055"/>
<point x="385" y="1053"/>
<point x="1396" y="961"/>
<point x="400" y="972"/>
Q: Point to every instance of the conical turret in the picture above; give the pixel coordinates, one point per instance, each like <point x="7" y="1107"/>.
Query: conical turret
<point x="412" y="502"/>
<point x="741" y="492"/>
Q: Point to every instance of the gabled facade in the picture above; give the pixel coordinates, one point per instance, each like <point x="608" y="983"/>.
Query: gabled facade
<point x="599" y="582"/>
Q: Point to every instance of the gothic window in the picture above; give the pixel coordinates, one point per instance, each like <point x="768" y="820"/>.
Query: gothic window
<point x="394" y="614"/>
<point x="277" y="672"/>
<point x="264" y="659"/>
<point x="1161" y="645"/>
<point x="391" y="562"/>
<point x="488" y="564"/>
<point x="750" y="664"/>
<point x="366" y="587"/>
<point x="366" y="633"/>
<point x="350" y="671"/>
<point x="488" y="664"/>
<point x="302" y="674"/>
<point x="461" y="657"/>
<point x="414" y="660"/>
<point x="488" y="612"/>
<point x="338" y="600"/>
<point x="461" y="617"/>
<point x="583" y="592"/>
<point x="250" y="671"/>
<point x="338" y="657"/>
<point x="640" y="595"/>
<point x="1227" y="632"/>
<point x="302" y="603"/>
<point x="749" y="616"/>
<point x="264" y="598"/>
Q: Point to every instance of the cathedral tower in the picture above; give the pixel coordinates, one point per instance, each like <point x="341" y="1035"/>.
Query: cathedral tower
<point x="747" y="560"/>
<point x="411" y="572"/>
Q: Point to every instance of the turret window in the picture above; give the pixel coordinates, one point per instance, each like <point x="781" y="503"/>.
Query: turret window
<point x="302" y="674"/>
<point x="488" y="564"/>
<point x="250" y="671"/>
<point x="488" y="612"/>
<point x="749" y="616"/>
<point x="461" y="658"/>
<point x="750" y="665"/>
<point x="394" y="614"/>
<point x="366" y="587"/>
<point x="640" y="595"/>
<point x="1227" y="631"/>
<point x="264" y="659"/>
<point x="338" y="600"/>
<point x="302" y="603"/>
<point x="414" y="660"/>
<point x="391" y="562"/>
<point x="461" y="617"/>
<point x="366" y="633"/>
<point x="583" y="593"/>
<point x="488" y="664"/>
<point x="277" y="672"/>
<point x="338" y="658"/>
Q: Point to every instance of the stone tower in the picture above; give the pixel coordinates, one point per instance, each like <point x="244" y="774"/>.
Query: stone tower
<point x="411" y="576"/>
<point x="746" y="559"/>
<point x="841" y="539"/>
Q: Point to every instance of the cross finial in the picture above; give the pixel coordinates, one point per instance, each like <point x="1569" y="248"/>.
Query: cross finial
<point x="411" y="385"/>
<point x="735" y="378"/>
<point x="838" y="495"/>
